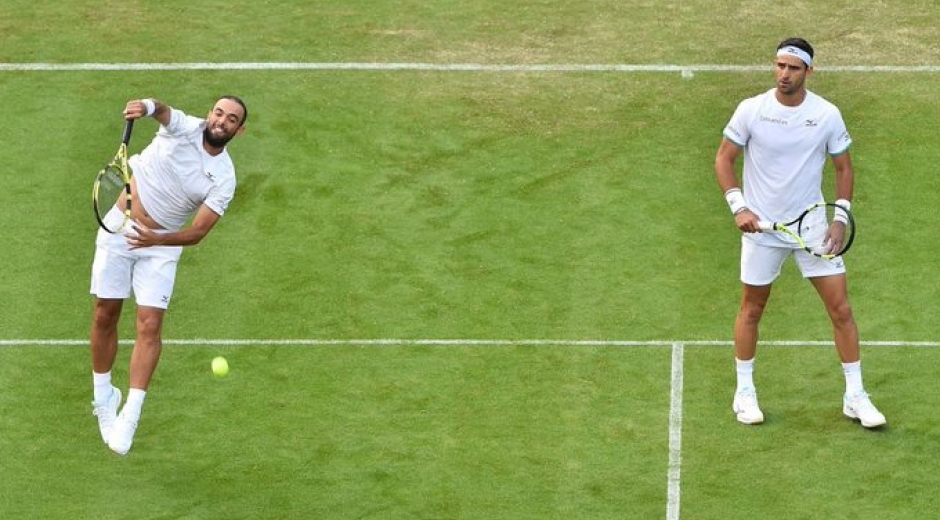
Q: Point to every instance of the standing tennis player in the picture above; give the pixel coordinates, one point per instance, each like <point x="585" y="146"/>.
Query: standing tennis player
<point x="786" y="134"/>
<point x="184" y="173"/>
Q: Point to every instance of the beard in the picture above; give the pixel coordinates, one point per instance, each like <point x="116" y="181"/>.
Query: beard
<point x="217" y="141"/>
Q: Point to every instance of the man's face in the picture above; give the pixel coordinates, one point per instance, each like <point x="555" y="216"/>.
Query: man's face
<point x="223" y="122"/>
<point x="790" y="73"/>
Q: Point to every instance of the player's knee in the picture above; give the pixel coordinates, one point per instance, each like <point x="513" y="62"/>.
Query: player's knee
<point x="106" y="315"/>
<point x="841" y="314"/>
<point x="149" y="324"/>
<point x="751" y="311"/>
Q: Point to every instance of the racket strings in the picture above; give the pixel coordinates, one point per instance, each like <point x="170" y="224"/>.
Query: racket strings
<point x="111" y="189"/>
<point x="816" y="230"/>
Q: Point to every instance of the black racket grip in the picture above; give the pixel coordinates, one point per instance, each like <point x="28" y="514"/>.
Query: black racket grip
<point x="128" y="126"/>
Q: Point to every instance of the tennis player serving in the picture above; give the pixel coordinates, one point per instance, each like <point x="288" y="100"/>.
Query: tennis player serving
<point x="786" y="135"/>
<point x="185" y="175"/>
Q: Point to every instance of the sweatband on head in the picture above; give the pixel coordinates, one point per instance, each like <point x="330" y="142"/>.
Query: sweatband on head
<point x="790" y="50"/>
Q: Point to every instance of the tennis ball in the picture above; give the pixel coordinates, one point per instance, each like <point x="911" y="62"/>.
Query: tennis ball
<point x="219" y="366"/>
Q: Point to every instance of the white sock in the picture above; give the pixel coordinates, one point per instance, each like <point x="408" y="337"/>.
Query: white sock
<point x="745" y="371"/>
<point x="853" y="377"/>
<point x="135" y="401"/>
<point x="102" y="384"/>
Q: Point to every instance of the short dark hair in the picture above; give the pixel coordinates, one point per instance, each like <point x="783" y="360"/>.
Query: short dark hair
<point x="245" y="108"/>
<point x="799" y="43"/>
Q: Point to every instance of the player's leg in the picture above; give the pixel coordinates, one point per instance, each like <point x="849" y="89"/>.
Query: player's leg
<point x="111" y="284"/>
<point x="147" y="347"/>
<point x="760" y="266"/>
<point x="753" y="300"/>
<point x="144" y="359"/>
<point x="833" y="291"/>
<point x="154" y="278"/>
<point x="746" y="325"/>
<point x="104" y="345"/>
<point x="104" y="338"/>
<point x="829" y="279"/>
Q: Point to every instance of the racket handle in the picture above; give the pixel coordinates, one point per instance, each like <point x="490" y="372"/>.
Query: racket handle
<point x="765" y="226"/>
<point x="128" y="127"/>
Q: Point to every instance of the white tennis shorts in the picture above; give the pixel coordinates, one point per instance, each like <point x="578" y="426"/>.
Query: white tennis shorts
<point x="762" y="259"/>
<point x="118" y="271"/>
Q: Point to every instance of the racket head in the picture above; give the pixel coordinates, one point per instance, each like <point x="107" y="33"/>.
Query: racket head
<point x="112" y="186"/>
<point x="816" y="225"/>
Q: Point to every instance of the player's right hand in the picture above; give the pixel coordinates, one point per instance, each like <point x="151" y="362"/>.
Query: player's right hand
<point x="747" y="221"/>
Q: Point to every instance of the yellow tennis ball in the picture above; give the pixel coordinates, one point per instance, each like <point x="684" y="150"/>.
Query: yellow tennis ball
<point x="220" y="366"/>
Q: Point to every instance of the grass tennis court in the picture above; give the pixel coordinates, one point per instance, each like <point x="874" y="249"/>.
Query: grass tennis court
<point x="512" y="231"/>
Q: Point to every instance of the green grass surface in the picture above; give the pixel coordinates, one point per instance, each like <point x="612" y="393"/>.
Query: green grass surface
<point x="464" y="205"/>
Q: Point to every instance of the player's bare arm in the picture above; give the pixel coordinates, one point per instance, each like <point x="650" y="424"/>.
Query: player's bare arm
<point x="844" y="175"/>
<point x="202" y="224"/>
<point x="725" y="160"/>
<point x="845" y="183"/>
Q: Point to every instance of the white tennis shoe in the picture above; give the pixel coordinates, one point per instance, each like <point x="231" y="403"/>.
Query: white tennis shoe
<point x="745" y="407"/>
<point x="106" y="413"/>
<point x="122" y="434"/>
<point x="859" y="407"/>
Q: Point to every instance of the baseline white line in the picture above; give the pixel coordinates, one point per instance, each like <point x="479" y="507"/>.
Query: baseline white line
<point x="454" y="342"/>
<point x="673" y="481"/>
<point x="443" y="67"/>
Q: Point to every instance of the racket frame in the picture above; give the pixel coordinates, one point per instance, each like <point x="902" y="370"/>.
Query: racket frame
<point x="786" y="228"/>
<point x="119" y="163"/>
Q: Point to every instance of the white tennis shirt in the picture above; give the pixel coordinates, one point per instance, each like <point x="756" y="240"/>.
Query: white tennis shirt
<point x="175" y="175"/>
<point x="785" y="151"/>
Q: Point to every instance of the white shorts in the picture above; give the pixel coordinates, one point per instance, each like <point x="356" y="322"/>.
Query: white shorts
<point x="117" y="270"/>
<point x="762" y="259"/>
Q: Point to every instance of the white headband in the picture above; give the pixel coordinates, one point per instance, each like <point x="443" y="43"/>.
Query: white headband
<point x="796" y="51"/>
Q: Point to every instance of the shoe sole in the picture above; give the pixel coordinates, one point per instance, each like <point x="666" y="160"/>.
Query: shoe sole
<point x="852" y="415"/>
<point x="118" y="451"/>
<point x="750" y="422"/>
<point x="744" y="420"/>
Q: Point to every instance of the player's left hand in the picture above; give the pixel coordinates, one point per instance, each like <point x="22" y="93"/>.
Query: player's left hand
<point x="145" y="237"/>
<point x="834" y="238"/>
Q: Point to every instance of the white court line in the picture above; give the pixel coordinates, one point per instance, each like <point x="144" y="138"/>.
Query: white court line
<point x="392" y="342"/>
<point x="444" y="67"/>
<point x="673" y="480"/>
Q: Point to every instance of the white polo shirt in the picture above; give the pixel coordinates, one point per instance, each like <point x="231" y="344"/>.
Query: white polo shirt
<point x="175" y="175"/>
<point x="785" y="150"/>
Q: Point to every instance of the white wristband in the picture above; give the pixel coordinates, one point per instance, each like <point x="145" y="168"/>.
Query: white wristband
<point x="735" y="200"/>
<point x="840" y="215"/>
<point x="149" y="105"/>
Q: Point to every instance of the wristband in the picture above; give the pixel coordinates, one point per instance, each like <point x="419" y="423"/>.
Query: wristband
<point x="840" y="215"/>
<point x="735" y="200"/>
<point x="150" y="106"/>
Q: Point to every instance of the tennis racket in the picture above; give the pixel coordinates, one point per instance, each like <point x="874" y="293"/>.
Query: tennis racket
<point x="111" y="184"/>
<point x="809" y="230"/>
